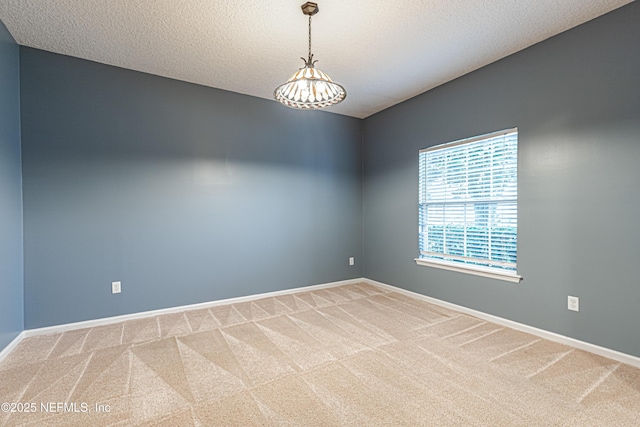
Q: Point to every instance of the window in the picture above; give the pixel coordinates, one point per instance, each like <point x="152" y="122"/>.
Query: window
<point x="468" y="214"/>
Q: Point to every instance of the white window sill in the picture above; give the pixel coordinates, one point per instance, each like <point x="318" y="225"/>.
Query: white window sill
<point x="508" y="276"/>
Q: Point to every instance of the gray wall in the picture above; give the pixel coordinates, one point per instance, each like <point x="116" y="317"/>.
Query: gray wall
<point x="11" y="257"/>
<point x="576" y="101"/>
<point x="184" y="193"/>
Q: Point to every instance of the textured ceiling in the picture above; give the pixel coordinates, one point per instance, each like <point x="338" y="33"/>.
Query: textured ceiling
<point x="382" y="51"/>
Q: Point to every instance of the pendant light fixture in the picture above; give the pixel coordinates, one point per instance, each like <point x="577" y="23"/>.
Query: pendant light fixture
<point x="309" y="88"/>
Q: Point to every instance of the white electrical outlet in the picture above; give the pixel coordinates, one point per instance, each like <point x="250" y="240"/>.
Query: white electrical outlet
<point x="352" y="261"/>
<point x="116" y="287"/>
<point x="573" y="303"/>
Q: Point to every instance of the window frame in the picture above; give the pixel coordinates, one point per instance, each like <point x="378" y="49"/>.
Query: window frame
<point x="459" y="264"/>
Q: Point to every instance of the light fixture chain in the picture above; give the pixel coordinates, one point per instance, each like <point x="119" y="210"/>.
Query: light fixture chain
<point x="309" y="38"/>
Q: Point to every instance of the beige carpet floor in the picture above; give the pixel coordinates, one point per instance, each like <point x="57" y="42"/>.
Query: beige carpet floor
<point x="354" y="355"/>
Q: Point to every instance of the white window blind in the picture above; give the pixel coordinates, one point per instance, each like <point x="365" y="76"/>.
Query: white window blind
<point x="469" y="202"/>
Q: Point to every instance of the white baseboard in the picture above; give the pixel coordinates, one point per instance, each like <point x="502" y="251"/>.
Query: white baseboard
<point x="115" y="319"/>
<point x="551" y="336"/>
<point x="5" y="351"/>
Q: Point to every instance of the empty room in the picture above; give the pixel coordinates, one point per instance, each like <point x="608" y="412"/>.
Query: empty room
<point x="200" y="227"/>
